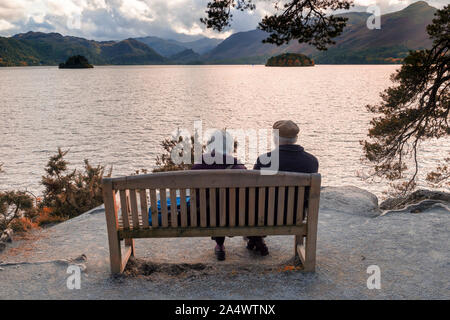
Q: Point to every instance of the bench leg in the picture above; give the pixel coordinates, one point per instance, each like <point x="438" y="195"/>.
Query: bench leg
<point x="309" y="264"/>
<point x="130" y="243"/>
<point x="298" y="242"/>
<point x="115" y="253"/>
<point x="306" y="254"/>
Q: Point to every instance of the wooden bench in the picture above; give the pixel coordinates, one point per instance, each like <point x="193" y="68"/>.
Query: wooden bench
<point x="238" y="203"/>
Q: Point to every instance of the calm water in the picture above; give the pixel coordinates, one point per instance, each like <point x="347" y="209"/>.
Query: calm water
<point x="119" y="115"/>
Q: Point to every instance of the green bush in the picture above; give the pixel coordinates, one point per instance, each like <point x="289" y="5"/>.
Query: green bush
<point x="71" y="193"/>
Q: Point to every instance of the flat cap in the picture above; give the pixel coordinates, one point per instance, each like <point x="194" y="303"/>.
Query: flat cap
<point x="287" y="128"/>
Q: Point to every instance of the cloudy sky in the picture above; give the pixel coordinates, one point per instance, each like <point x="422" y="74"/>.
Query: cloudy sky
<point x="120" y="19"/>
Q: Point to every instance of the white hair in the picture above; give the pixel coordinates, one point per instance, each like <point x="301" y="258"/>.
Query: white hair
<point x="222" y="142"/>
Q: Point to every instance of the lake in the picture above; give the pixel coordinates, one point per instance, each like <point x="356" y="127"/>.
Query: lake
<point x="118" y="115"/>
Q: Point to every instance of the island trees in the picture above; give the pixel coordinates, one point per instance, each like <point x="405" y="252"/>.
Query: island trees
<point x="304" y="20"/>
<point x="415" y="109"/>
<point x="290" y="60"/>
<point x="76" y="62"/>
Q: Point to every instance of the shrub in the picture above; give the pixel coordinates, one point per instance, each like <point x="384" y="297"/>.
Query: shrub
<point x="165" y="161"/>
<point x="17" y="210"/>
<point x="71" y="193"/>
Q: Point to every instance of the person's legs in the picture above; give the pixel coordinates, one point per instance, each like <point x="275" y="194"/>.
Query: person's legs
<point x="220" y="248"/>
<point x="220" y="240"/>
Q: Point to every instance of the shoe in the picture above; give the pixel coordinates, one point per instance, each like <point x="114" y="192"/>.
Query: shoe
<point x="261" y="247"/>
<point x="220" y="252"/>
<point x="251" y="244"/>
<point x="258" y="244"/>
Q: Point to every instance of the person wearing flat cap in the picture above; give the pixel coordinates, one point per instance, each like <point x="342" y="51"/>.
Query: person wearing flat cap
<point x="291" y="157"/>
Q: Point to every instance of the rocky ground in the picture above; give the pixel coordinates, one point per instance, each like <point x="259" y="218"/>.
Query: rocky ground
<point x="411" y="250"/>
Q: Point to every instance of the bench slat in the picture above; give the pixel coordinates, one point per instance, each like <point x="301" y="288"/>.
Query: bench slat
<point x="280" y="208"/>
<point x="124" y="208"/>
<point x="223" y="207"/>
<point x="173" y="208"/>
<point x="208" y="179"/>
<point x="164" y="213"/>
<point x="290" y="206"/>
<point x="193" y="194"/>
<point x="203" y="217"/>
<point x="261" y="205"/>
<point x="134" y="208"/>
<point x="300" y="205"/>
<point x="214" y="232"/>
<point x="212" y="207"/>
<point x="183" y="208"/>
<point x="154" y="208"/>
<point x="241" y="207"/>
<point x="232" y="207"/>
<point x="271" y="207"/>
<point x="251" y="206"/>
<point x="144" y="207"/>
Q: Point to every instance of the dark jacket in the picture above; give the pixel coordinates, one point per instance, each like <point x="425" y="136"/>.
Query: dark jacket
<point x="228" y="162"/>
<point x="292" y="158"/>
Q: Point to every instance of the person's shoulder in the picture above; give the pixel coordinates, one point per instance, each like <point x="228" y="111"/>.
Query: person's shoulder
<point x="313" y="157"/>
<point x="313" y="160"/>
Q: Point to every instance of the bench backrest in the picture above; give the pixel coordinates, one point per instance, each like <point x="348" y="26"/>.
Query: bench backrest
<point x="212" y="198"/>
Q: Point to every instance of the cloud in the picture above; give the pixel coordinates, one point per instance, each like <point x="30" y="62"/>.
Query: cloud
<point x="120" y="19"/>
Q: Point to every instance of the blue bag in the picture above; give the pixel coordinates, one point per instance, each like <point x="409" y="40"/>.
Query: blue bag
<point x="188" y="199"/>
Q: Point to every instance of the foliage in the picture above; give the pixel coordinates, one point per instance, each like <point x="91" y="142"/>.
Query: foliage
<point x="37" y="48"/>
<point x="165" y="162"/>
<point x="304" y="20"/>
<point x="441" y="177"/>
<point x="16" y="211"/>
<point x="415" y="109"/>
<point x="67" y="194"/>
<point x="71" y="193"/>
<point x="290" y="60"/>
<point x="77" y="61"/>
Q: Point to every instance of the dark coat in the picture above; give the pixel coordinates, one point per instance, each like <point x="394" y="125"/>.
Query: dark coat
<point x="227" y="163"/>
<point x="293" y="158"/>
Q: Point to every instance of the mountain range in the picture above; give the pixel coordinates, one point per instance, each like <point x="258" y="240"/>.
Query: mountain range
<point x="400" y="32"/>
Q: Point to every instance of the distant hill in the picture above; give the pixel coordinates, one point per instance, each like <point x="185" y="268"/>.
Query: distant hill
<point x="187" y="56"/>
<point x="130" y="51"/>
<point x="203" y="45"/>
<point x="164" y="47"/>
<point x="37" y="48"/>
<point x="16" y="53"/>
<point x="400" y="31"/>
<point x="168" y="47"/>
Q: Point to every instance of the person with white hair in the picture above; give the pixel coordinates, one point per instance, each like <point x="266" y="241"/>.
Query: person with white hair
<point x="219" y="155"/>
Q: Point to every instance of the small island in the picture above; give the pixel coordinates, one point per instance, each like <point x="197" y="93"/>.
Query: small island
<point x="290" y="60"/>
<point x="76" y="62"/>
